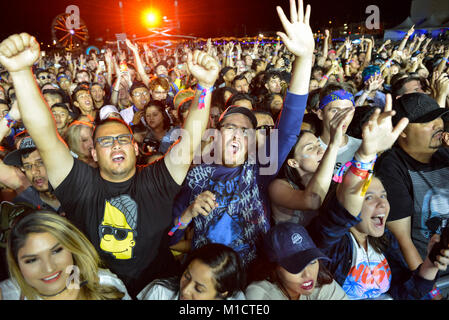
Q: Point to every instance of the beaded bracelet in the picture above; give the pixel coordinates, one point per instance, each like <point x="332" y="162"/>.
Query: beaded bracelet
<point x="176" y="227"/>
<point x="9" y="121"/>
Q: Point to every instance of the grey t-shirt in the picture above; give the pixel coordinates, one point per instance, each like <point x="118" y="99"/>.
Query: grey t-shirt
<point x="265" y="290"/>
<point x="345" y="153"/>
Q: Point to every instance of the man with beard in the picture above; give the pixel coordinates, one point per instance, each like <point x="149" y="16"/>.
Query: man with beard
<point x="415" y="174"/>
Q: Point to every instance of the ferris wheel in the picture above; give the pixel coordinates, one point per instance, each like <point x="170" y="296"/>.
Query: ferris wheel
<point x="72" y="39"/>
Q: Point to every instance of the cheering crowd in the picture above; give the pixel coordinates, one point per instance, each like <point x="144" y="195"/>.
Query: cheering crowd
<point x="305" y="169"/>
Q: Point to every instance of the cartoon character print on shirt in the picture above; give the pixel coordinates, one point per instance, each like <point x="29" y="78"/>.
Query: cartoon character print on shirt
<point x="434" y="213"/>
<point x="118" y="229"/>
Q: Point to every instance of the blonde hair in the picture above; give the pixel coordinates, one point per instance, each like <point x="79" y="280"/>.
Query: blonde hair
<point x="85" y="257"/>
<point x="73" y="136"/>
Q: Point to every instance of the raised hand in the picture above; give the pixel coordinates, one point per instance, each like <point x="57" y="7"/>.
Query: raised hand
<point x="132" y="47"/>
<point x="203" y="67"/>
<point x="108" y="55"/>
<point x="411" y="30"/>
<point x="378" y="132"/>
<point x="339" y="124"/>
<point x="298" y="36"/>
<point x="374" y="83"/>
<point x="57" y="58"/>
<point x="122" y="56"/>
<point x="19" y="52"/>
<point x="203" y="204"/>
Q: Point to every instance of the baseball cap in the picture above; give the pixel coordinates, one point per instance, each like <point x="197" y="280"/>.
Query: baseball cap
<point x="181" y="96"/>
<point x="242" y="110"/>
<point x="418" y="108"/>
<point x="106" y="110"/>
<point x="225" y="70"/>
<point x="289" y="245"/>
<point x="14" y="158"/>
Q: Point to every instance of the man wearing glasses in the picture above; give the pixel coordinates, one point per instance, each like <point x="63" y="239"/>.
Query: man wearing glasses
<point x="140" y="96"/>
<point x="117" y="194"/>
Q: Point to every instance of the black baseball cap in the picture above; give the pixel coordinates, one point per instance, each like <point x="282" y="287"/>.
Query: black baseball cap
<point x="242" y="110"/>
<point x="225" y="70"/>
<point x="290" y="246"/>
<point x="418" y="108"/>
<point x="14" y="158"/>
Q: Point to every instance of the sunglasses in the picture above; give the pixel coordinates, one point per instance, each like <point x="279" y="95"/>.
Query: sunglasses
<point x="118" y="233"/>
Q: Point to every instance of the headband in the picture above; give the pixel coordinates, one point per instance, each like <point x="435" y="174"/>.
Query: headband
<point x="334" y="96"/>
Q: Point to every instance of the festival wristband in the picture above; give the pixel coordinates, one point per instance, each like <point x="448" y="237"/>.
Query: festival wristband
<point x="338" y="177"/>
<point x="363" y="174"/>
<point x="367" y="183"/>
<point x="363" y="165"/>
<point x="9" y="121"/>
<point x="176" y="227"/>
<point x="204" y="92"/>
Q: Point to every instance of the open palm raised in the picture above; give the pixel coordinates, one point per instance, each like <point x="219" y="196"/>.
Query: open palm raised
<point x="378" y="132"/>
<point x="298" y="36"/>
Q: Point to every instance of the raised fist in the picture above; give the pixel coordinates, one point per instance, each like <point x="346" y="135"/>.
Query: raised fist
<point x="19" y="52"/>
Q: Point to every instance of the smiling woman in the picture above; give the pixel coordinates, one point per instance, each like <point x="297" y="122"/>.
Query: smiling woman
<point x="50" y="259"/>
<point x="213" y="272"/>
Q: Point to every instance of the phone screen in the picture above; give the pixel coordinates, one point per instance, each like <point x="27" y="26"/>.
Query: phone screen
<point x="123" y="66"/>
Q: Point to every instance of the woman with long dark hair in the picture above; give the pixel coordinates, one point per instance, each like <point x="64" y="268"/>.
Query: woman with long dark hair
<point x="212" y="272"/>
<point x="306" y="175"/>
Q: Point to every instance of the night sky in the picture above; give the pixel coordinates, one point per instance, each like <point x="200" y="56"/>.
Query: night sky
<point x="199" y="18"/>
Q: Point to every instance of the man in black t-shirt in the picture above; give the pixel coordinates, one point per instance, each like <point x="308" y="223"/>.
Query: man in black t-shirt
<point x="124" y="210"/>
<point x="415" y="174"/>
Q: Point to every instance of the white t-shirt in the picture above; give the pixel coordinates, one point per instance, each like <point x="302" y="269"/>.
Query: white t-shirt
<point x="265" y="290"/>
<point x="159" y="292"/>
<point x="369" y="276"/>
<point x="345" y="153"/>
<point x="11" y="290"/>
<point x="127" y="114"/>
